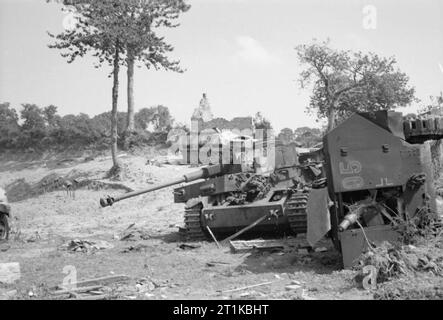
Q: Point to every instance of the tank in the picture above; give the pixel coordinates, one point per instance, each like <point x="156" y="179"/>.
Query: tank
<point x="224" y="199"/>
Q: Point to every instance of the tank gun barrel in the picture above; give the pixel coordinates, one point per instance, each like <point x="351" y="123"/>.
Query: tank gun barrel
<point x="202" y="173"/>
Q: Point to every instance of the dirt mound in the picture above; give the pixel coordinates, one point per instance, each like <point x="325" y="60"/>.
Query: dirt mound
<point x="18" y="190"/>
<point x="21" y="190"/>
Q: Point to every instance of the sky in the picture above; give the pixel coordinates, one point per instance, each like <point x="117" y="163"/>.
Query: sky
<point x="239" y="52"/>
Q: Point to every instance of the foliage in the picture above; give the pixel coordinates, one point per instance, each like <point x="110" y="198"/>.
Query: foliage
<point x="159" y="117"/>
<point x="44" y="129"/>
<point x="9" y="127"/>
<point x="261" y="122"/>
<point x="286" y="135"/>
<point x="308" y="137"/>
<point x="436" y="102"/>
<point x="120" y="32"/>
<point x="344" y="82"/>
<point x="303" y="136"/>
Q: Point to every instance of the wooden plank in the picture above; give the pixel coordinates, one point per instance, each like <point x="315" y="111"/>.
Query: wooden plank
<point x="213" y="237"/>
<point x="252" y="225"/>
<point x="248" y="287"/>
<point x="238" y="247"/>
<point x="260" y="244"/>
<point x="77" y="290"/>
<point x="91" y="297"/>
<point x="99" y="281"/>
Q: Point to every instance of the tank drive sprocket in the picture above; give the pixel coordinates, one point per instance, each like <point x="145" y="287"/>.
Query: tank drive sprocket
<point x="193" y="225"/>
<point x="295" y="209"/>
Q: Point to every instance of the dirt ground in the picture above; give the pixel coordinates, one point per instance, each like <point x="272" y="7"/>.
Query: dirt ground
<point x="159" y="267"/>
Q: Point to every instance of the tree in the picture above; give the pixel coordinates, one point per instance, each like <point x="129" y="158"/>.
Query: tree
<point x="286" y="135"/>
<point x="158" y="116"/>
<point x="9" y="128"/>
<point x="142" y="43"/>
<point x="345" y="82"/>
<point x="100" y="29"/>
<point x="308" y="137"/>
<point x="50" y="116"/>
<point x="33" y="129"/>
<point x="261" y="122"/>
<point x="33" y="118"/>
<point x="437" y="100"/>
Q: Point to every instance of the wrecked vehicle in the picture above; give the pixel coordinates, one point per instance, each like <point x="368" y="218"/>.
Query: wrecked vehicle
<point x="375" y="171"/>
<point x="5" y="211"/>
<point x="380" y="172"/>
<point x="225" y="199"/>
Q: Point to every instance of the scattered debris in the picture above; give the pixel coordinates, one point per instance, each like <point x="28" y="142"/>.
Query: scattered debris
<point x="247" y="287"/>
<point x="215" y="263"/>
<point x="423" y="226"/>
<point x="86" y="246"/>
<point x="187" y="246"/>
<point x="303" y="251"/>
<point x="91" y="283"/>
<point x="239" y="246"/>
<point x="395" y="260"/>
<point x="137" y="248"/>
<point x="133" y="233"/>
<point x="143" y="285"/>
<point x="77" y="290"/>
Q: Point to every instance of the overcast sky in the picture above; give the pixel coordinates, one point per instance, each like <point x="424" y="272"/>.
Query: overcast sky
<point x="240" y="52"/>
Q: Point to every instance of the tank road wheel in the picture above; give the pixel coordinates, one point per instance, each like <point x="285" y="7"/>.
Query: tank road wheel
<point x="4" y="227"/>
<point x="193" y="225"/>
<point x="296" y="212"/>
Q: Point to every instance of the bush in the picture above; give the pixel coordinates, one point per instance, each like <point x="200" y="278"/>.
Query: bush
<point x="43" y="129"/>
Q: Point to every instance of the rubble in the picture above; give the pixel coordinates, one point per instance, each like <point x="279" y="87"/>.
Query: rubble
<point x="395" y="260"/>
<point x="86" y="246"/>
<point x="239" y="246"/>
<point x="187" y="246"/>
<point x="137" y="248"/>
<point x="133" y="233"/>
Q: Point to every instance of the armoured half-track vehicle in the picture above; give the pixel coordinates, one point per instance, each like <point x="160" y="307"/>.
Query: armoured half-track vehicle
<point x="225" y="198"/>
<point x="379" y="172"/>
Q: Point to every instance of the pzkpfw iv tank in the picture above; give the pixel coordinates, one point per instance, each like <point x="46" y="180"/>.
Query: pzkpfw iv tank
<point x="227" y="198"/>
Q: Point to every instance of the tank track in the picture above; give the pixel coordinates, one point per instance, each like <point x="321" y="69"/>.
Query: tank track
<point x="295" y="210"/>
<point x="193" y="226"/>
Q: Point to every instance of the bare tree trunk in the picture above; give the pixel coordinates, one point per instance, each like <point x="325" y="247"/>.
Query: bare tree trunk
<point x="114" y="119"/>
<point x="130" y="123"/>
<point x="331" y="116"/>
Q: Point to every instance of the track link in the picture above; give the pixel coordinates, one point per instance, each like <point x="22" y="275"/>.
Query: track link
<point x="193" y="225"/>
<point x="295" y="210"/>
